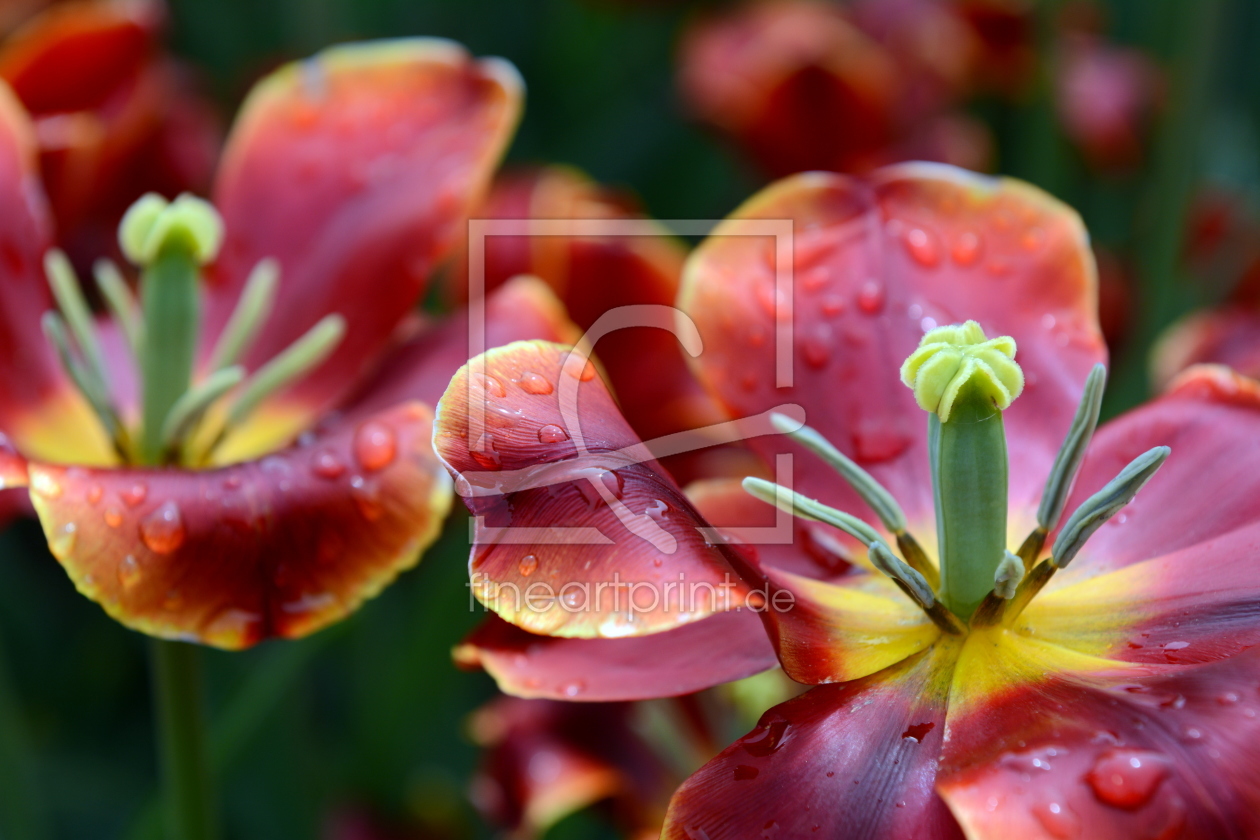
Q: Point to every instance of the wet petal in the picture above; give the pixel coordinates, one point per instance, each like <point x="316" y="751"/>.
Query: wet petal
<point x="569" y="505"/>
<point x="1199" y="604"/>
<point x="1209" y="486"/>
<point x="278" y="547"/>
<point x="355" y="169"/>
<point x="721" y="648"/>
<point x="1159" y="757"/>
<point x="851" y="760"/>
<point x="876" y="264"/>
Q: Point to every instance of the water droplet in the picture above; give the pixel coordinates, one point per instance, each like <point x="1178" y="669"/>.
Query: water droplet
<point x="1126" y="778"/>
<point x="135" y="494"/>
<point x="46" y="486"/>
<point x="129" y="571"/>
<point x="966" y="248"/>
<point x="375" y="445"/>
<point x="870" y="298"/>
<point x="489" y="384"/>
<point x="832" y="305"/>
<point x="773" y="301"/>
<point x="1057" y="819"/>
<point x="922" y="247"/>
<point x="1033" y="239"/>
<point x="532" y="383"/>
<point x="744" y="772"/>
<point x="484" y="453"/>
<point x="528" y="564"/>
<point x="113" y="517"/>
<point x="917" y="732"/>
<point x="573" y="689"/>
<point x="328" y="465"/>
<point x="62" y="542"/>
<point x="756" y="336"/>
<point x="367" y="498"/>
<point x="552" y="434"/>
<point x="816" y="351"/>
<point x="233" y="482"/>
<point x="163" y="529"/>
<point x="587" y="372"/>
<point x="1229" y="698"/>
<point x="766" y="739"/>
<point x="94" y="493"/>
<point x="1048" y="321"/>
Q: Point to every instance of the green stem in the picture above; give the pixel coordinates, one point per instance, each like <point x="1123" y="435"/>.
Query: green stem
<point x="169" y="298"/>
<point x="969" y="473"/>
<point x="185" y="769"/>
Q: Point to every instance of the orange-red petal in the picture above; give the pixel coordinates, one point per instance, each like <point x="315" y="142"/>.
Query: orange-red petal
<point x="873" y="265"/>
<point x="569" y="504"/>
<point x="856" y="759"/>
<point x="721" y="648"/>
<point x="355" y="169"/>
<point x="277" y="547"/>
<point x="1165" y="757"/>
<point x="1228" y="335"/>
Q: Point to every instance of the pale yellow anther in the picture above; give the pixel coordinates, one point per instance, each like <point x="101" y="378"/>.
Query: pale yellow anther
<point x="153" y="223"/>
<point x="952" y="357"/>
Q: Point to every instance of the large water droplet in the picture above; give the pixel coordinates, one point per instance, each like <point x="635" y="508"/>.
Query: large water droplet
<point x="375" y="445"/>
<point x="870" y="297"/>
<point x="918" y="731"/>
<point x="129" y="571"/>
<point x="484" y="453"/>
<point x="1126" y="778"/>
<point x="490" y="385"/>
<point x="533" y="383"/>
<point x="163" y="529"/>
<point x="528" y="564"/>
<point x="552" y="434"/>
<point x="966" y="248"/>
<point x="922" y="247"/>
<point x="767" y="739"/>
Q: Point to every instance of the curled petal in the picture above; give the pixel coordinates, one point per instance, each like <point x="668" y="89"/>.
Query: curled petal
<point x="355" y="170"/>
<point x="579" y="532"/>
<point x="1229" y="335"/>
<point x="278" y="547"/>
<point x="1210" y="417"/>
<point x="856" y="759"/>
<point x="1165" y="756"/>
<point x="721" y="648"/>
<point x="874" y="265"/>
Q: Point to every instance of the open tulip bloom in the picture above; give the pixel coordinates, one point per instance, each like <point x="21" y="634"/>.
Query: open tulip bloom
<point x="244" y="451"/>
<point x="1004" y="641"/>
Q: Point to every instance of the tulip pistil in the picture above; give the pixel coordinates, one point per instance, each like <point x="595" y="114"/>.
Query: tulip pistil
<point x="170" y="243"/>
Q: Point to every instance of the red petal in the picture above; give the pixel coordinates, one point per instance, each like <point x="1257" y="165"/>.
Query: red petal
<point x="421" y="367"/>
<point x="1229" y="335"/>
<point x="876" y="263"/>
<point x="721" y="648"/>
<point x="1168" y="757"/>
<point x="1209" y="486"/>
<point x="613" y="546"/>
<point x="1198" y="604"/>
<point x="851" y="760"/>
<point x="277" y="547"/>
<point x="355" y="169"/>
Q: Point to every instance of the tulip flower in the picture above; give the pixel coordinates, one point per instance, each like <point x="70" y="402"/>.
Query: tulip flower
<point x="242" y="450"/>
<point x="1017" y="646"/>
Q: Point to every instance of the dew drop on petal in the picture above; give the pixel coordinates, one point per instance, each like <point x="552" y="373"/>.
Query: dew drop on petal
<point x="832" y="305"/>
<point x="966" y="249"/>
<point x="573" y="689"/>
<point x="552" y="434"/>
<point x="1126" y="778"/>
<point x="533" y="383"/>
<point x="528" y="564"/>
<point x="113" y="517"/>
<point x="767" y="739"/>
<point x="375" y="445"/>
<point x="870" y="297"/>
<point x="94" y="493"/>
<point x="366" y="495"/>
<point x="484" y="453"/>
<point x="328" y="465"/>
<point x="129" y="571"/>
<point x="163" y="529"/>
<point x="135" y="494"/>
<point x="490" y="385"/>
<point x="63" y="540"/>
<point x="1057" y="819"/>
<point x="922" y="247"/>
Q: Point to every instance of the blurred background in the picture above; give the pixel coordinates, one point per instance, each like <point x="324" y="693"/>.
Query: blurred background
<point x="1142" y="114"/>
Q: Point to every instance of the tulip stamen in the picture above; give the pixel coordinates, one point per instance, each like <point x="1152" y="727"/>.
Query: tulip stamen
<point x="865" y="485"/>
<point x="90" y="387"/>
<point x="247" y="319"/>
<point x="122" y="304"/>
<point x="913" y="584"/>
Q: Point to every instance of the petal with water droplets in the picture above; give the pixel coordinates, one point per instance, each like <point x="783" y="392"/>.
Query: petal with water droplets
<point x="619" y="550"/>
<point x="278" y="547"/>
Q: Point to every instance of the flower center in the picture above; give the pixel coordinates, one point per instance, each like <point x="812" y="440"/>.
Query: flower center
<point x="965" y="381"/>
<point x="185" y="414"/>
